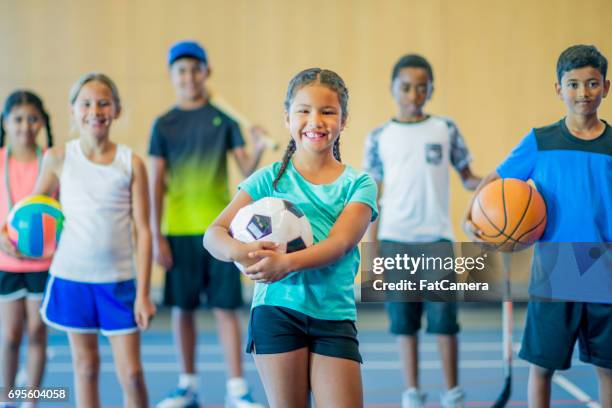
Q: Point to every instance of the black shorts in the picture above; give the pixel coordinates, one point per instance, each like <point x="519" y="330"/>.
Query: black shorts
<point x="276" y="329"/>
<point x="406" y="317"/>
<point x="195" y="271"/>
<point x="17" y="285"/>
<point x="552" y="328"/>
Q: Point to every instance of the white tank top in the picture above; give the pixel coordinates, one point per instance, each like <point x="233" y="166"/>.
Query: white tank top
<point x="96" y="244"/>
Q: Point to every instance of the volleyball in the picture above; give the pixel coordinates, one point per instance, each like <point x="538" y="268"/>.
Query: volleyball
<point x="34" y="226"/>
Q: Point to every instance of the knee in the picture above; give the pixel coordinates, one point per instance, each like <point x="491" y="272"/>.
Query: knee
<point x="11" y="339"/>
<point x="87" y="368"/>
<point x="182" y="314"/>
<point x="134" y="379"/>
<point x="225" y="314"/>
<point x="37" y="334"/>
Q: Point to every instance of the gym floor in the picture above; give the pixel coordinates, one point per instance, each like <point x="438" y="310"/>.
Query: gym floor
<point x="481" y="369"/>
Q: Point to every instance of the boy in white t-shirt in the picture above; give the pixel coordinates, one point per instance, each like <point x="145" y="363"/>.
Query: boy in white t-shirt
<point x="409" y="157"/>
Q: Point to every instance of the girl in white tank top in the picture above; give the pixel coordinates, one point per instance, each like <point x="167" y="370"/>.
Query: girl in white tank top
<point x="92" y="289"/>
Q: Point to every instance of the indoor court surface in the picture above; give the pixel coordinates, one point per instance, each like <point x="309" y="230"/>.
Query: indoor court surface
<point x="481" y="372"/>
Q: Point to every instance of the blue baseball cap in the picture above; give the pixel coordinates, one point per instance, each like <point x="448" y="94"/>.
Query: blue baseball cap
<point x="186" y="49"/>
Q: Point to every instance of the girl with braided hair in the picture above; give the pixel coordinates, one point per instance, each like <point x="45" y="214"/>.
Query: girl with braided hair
<point x="302" y="330"/>
<point x="22" y="281"/>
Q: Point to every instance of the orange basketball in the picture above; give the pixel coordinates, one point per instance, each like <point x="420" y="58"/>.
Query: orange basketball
<point x="510" y="213"/>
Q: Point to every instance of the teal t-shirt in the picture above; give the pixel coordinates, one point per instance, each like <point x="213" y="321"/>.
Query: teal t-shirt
<point x="327" y="292"/>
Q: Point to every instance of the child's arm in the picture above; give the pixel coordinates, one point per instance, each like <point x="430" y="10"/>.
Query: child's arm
<point x="48" y="180"/>
<point x="468" y="226"/>
<point x="161" y="248"/>
<point x="47" y="183"/>
<point x="248" y="162"/>
<point x="371" y="234"/>
<point x="346" y="233"/>
<point x="470" y="180"/>
<point x="143" y="307"/>
<point x="218" y="242"/>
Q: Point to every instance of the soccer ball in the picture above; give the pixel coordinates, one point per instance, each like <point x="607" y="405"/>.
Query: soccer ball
<point x="272" y="219"/>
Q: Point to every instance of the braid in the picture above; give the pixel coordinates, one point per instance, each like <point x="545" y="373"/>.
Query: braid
<point x="337" y="149"/>
<point x="48" y="128"/>
<point x="2" y="132"/>
<point x="288" y="153"/>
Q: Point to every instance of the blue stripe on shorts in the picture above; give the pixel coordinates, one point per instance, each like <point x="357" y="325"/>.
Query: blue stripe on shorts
<point x="81" y="307"/>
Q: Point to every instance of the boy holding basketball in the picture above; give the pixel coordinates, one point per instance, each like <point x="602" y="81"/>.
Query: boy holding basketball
<point x="409" y="157"/>
<point x="188" y="149"/>
<point x="570" y="163"/>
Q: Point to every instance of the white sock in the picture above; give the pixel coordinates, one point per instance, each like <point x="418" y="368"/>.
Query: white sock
<point x="237" y="386"/>
<point x="188" y="381"/>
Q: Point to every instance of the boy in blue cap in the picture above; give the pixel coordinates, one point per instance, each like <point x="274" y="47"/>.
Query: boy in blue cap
<point x="570" y="162"/>
<point x="188" y="149"/>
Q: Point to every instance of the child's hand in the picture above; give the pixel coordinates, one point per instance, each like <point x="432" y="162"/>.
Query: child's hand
<point x="162" y="253"/>
<point x="7" y="246"/>
<point x="144" y="310"/>
<point x="242" y="255"/>
<point x="259" y="138"/>
<point x="472" y="231"/>
<point x="270" y="266"/>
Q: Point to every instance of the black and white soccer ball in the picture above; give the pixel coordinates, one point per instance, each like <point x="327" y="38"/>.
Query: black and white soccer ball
<point x="273" y="219"/>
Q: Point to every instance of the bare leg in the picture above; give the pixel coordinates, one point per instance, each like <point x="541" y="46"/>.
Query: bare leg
<point x="336" y="382"/>
<point x="605" y="386"/>
<point x="12" y="314"/>
<point x="126" y="352"/>
<point x="409" y="354"/>
<point x="539" y="386"/>
<point x="448" y="354"/>
<point x="184" y="330"/>
<point x="37" y="343"/>
<point x="285" y="378"/>
<point x="86" y="364"/>
<point x="229" y="333"/>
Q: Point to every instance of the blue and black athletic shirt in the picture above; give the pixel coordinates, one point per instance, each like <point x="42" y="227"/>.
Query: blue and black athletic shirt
<point x="574" y="177"/>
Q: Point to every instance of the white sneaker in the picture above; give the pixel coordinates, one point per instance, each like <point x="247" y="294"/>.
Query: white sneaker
<point x="413" y="398"/>
<point x="244" y="401"/>
<point x="180" y="398"/>
<point x="452" y="398"/>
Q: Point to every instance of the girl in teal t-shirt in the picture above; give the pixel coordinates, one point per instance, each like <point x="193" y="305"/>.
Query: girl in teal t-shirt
<point x="302" y="330"/>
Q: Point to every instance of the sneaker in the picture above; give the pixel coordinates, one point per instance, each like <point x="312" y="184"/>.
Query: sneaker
<point x="244" y="401"/>
<point x="413" y="398"/>
<point x="452" y="398"/>
<point x="180" y="398"/>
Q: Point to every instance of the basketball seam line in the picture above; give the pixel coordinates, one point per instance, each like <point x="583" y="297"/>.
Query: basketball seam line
<point x="501" y="232"/>
<point x="522" y="216"/>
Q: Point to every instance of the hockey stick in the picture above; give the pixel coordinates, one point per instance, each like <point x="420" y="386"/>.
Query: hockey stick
<point x="504" y="395"/>
<point x="242" y="120"/>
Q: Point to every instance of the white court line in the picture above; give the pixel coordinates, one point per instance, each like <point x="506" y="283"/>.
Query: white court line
<point x="202" y="348"/>
<point x="575" y="391"/>
<point x="173" y="367"/>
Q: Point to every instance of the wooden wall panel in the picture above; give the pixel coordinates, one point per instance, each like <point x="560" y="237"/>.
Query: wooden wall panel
<point x="494" y="60"/>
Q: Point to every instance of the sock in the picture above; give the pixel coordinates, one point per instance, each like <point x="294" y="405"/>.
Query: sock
<point x="237" y="387"/>
<point x="189" y="381"/>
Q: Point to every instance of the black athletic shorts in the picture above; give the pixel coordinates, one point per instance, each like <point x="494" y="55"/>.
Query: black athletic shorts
<point x="196" y="271"/>
<point x="552" y="329"/>
<point x="17" y="285"/>
<point x="276" y="329"/>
